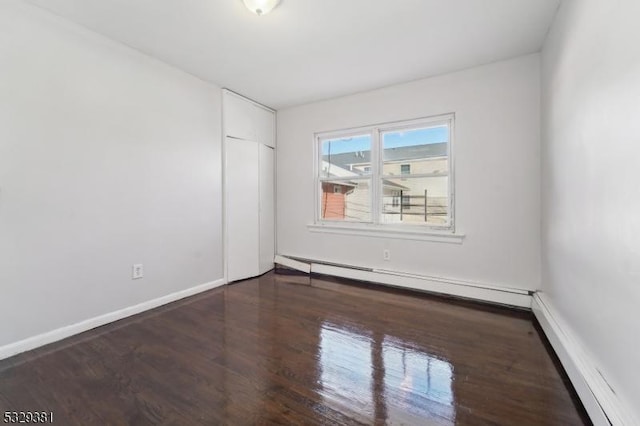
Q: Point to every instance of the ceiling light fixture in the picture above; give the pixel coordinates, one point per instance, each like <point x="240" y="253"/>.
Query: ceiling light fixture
<point x="261" y="7"/>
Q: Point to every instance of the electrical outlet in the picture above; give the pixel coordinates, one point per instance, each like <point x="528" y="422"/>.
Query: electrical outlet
<point x="386" y="254"/>
<point x="137" y="272"/>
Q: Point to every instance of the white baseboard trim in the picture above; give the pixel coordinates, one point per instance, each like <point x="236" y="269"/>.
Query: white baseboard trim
<point x="293" y="264"/>
<point x="602" y="404"/>
<point x="34" y="342"/>
<point x="452" y="287"/>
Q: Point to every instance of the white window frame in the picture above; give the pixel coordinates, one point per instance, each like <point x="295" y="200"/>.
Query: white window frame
<point x="376" y="227"/>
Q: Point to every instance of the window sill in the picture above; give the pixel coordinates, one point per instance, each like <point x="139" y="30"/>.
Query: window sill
<point x="381" y="231"/>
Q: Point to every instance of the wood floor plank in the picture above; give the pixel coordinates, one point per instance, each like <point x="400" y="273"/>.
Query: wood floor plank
<point x="273" y="351"/>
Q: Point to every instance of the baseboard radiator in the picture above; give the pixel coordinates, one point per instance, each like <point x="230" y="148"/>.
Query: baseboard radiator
<point x="445" y="286"/>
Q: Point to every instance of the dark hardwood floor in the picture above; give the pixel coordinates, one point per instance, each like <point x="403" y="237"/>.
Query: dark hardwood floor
<point x="270" y="351"/>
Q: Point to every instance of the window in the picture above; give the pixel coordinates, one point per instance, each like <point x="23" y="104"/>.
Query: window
<point x="395" y="199"/>
<point x="406" y="202"/>
<point x="389" y="175"/>
<point x="336" y="160"/>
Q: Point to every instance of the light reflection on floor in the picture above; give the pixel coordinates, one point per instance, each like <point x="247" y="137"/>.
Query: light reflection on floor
<point x="383" y="378"/>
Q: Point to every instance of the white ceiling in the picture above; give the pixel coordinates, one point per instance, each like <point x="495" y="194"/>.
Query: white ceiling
<point x="307" y="50"/>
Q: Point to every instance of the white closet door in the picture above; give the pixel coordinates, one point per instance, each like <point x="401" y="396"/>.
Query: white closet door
<point x="242" y="212"/>
<point x="267" y="208"/>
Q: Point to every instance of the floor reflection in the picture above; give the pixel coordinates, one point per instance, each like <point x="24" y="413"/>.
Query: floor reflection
<point x="421" y="383"/>
<point x="382" y="378"/>
<point x="345" y="364"/>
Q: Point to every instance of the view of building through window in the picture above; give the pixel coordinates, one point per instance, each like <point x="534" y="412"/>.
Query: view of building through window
<point x="394" y="174"/>
<point x="346" y="188"/>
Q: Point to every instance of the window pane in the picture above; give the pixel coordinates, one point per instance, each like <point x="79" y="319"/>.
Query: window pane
<point x="346" y="200"/>
<point x="417" y="151"/>
<point x="417" y="200"/>
<point x="343" y="157"/>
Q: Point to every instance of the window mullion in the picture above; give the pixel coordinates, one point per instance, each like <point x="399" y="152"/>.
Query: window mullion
<point x="317" y="171"/>
<point x="376" y="170"/>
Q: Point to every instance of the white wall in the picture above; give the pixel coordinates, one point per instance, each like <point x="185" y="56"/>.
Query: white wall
<point x="107" y="158"/>
<point x="591" y="190"/>
<point x="497" y="175"/>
